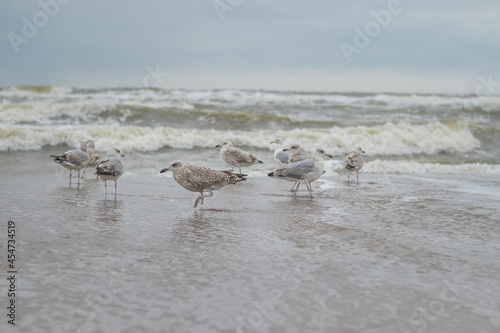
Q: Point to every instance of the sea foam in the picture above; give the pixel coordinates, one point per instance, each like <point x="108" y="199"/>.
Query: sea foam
<point x="384" y="140"/>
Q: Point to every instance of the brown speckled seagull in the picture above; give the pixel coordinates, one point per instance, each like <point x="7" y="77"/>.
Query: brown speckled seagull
<point x="201" y="179"/>
<point x="353" y="161"/>
<point x="94" y="156"/>
<point x="111" y="167"/>
<point x="236" y="157"/>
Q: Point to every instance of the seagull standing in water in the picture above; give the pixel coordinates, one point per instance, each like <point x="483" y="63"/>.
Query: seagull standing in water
<point x="94" y="156"/>
<point x="297" y="153"/>
<point x="74" y="159"/>
<point x="280" y="155"/>
<point x="236" y="157"/>
<point x="353" y="161"/>
<point x="201" y="179"/>
<point x="111" y="167"/>
<point x="303" y="171"/>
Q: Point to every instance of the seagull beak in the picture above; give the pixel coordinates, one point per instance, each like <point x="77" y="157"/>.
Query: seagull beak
<point x="271" y="142"/>
<point x="331" y="156"/>
<point x="363" y="151"/>
<point x="163" y="170"/>
<point x="286" y="149"/>
<point x="122" y="155"/>
<point x="218" y="146"/>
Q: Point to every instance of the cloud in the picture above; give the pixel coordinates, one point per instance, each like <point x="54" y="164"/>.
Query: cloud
<point x="112" y="42"/>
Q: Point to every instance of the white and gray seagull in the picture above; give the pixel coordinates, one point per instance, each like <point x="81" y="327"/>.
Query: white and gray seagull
<point x="201" y="179"/>
<point x="74" y="159"/>
<point x="303" y="171"/>
<point x="111" y="167"/>
<point x="280" y="155"/>
<point x="236" y="157"/>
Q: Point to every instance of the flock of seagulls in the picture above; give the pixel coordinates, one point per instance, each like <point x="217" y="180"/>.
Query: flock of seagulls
<point x="109" y="168"/>
<point x="302" y="167"/>
<point x="296" y="165"/>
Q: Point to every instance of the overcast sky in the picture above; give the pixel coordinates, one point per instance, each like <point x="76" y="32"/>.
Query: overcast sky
<point x="431" y="46"/>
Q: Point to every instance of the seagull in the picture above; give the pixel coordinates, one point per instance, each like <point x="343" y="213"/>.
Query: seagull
<point x="74" y="159"/>
<point x="353" y="161"/>
<point x="201" y="179"/>
<point x="110" y="167"/>
<point x="280" y="155"/>
<point x="94" y="156"/>
<point x="236" y="157"/>
<point x="297" y="153"/>
<point x="303" y="171"/>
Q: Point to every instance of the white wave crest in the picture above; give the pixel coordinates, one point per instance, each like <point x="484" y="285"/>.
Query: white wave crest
<point x="44" y="113"/>
<point x="388" y="139"/>
<point x="413" y="167"/>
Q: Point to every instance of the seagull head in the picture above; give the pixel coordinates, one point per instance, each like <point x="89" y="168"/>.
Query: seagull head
<point x="277" y="141"/>
<point x="293" y="148"/>
<point x="225" y="144"/>
<point x="321" y="152"/>
<point x="114" y="152"/>
<point x="173" y="166"/>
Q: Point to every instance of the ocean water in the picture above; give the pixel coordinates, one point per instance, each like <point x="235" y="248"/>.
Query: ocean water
<point x="400" y="133"/>
<point x="414" y="246"/>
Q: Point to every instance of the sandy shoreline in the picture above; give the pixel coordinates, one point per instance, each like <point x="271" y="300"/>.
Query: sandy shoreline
<point x="394" y="253"/>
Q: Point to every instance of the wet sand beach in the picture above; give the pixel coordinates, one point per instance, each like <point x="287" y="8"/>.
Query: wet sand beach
<point x="392" y="253"/>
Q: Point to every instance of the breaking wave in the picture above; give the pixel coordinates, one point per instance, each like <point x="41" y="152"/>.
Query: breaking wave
<point x="384" y="140"/>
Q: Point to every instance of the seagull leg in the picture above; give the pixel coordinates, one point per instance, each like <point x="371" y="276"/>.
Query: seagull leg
<point x="70" y="177"/>
<point x="206" y="196"/>
<point x="309" y="188"/>
<point x="78" y="176"/>
<point x="201" y="197"/>
<point x="84" y="172"/>
<point x="357" y="179"/>
<point x="197" y="200"/>
<point x="115" y="186"/>
<point x="293" y="186"/>
<point x="106" y="187"/>
<point x="240" y="174"/>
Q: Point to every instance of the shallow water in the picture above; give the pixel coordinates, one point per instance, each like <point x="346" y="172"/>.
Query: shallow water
<point x="413" y="247"/>
<point x="392" y="253"/>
